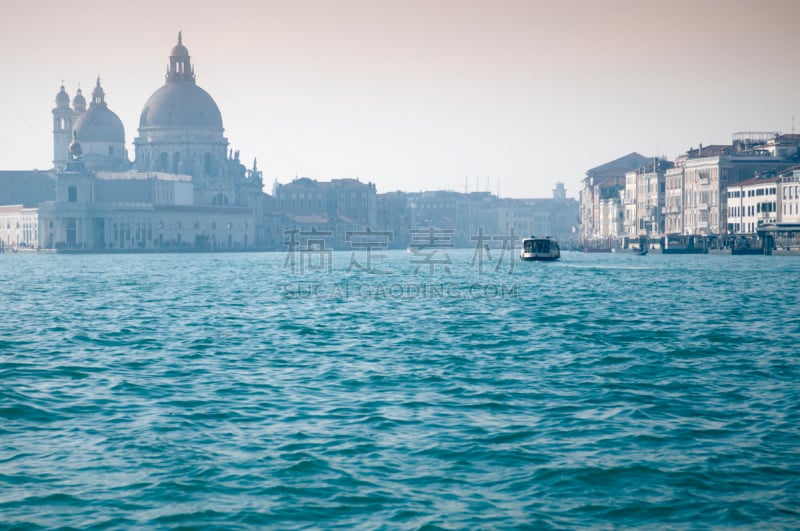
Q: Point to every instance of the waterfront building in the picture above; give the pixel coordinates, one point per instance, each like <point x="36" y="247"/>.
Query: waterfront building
<point x="645" y="198"/>
<point x="752" y="203"/>
<point x="107" y="211"/>
<point x="674" y="198"/>
<point x="602" y="210"/>
<point x="19" y="228"/>
<point x="20" y="194"/>
<point x="521" y="217"/>
<point x="789" y="195"/>
<point x="651" y="196"/>
<point x="630" y="225"/>
<point x="337" y="207"/>
<point x="392" y="214"/>
<point x="463" y="214"/>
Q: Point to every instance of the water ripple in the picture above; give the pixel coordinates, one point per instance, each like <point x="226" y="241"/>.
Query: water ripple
<point x="170" y="391"/>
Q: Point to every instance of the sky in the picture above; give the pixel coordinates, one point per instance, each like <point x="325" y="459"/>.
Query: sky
<point x="500" y="95"/>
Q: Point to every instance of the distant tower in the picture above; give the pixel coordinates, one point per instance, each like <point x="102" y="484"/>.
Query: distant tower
<point x="62" y="129"/>
<point x="559" y="192"/>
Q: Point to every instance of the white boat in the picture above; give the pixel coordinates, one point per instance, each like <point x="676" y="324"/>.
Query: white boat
<point x="543" y="249"/>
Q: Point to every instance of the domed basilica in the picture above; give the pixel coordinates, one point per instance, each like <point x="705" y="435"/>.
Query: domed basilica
<point x="184" y="188"/>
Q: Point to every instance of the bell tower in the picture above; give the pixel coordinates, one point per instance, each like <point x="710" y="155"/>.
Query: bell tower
<point x="62" y="130"/>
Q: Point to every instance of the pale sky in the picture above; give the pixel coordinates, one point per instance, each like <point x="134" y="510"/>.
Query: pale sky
<point x="419" y="95"/>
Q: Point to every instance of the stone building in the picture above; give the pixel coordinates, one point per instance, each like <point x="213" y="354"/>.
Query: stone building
<point x="789" y="195"/>
<point x="602" y="212"/>
<point x="334" y="207"/>
<point x="19" y="228"/>
<point x="752" y="203"/>
<point x="645" y="199"/>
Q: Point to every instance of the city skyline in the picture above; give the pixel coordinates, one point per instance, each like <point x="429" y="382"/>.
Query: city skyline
<point x="511" y="97"/>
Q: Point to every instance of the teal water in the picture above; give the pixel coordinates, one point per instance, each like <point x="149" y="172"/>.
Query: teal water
<point x="602" y="391"/>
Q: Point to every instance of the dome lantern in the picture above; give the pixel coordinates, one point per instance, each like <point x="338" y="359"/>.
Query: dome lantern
<point x="180" y="64"/>
<point x="98" y="96"/>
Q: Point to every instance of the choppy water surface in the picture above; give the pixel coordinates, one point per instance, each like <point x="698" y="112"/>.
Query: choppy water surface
<point x="604" y="391"/>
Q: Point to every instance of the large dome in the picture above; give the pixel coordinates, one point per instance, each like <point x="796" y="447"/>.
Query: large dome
<point x="181" y="105"/>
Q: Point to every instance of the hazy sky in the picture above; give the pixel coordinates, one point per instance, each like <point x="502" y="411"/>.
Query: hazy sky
<point x="413" y="95"/>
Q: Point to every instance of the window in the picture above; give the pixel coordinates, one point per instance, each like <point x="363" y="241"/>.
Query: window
<point x="72" y="194"/>
<point x="207" y="164"/>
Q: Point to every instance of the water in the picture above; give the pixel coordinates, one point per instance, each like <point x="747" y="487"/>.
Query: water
<point x="603" y="391"/>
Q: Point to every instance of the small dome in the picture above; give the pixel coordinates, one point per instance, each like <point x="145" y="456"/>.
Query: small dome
<point x="100" y="124"/>
<point x="79" y="102"/>
<point x="62" y="98"/>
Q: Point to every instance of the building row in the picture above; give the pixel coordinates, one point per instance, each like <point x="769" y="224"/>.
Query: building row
<point x="343" y="206"/>
<point x="713" y="191"/>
